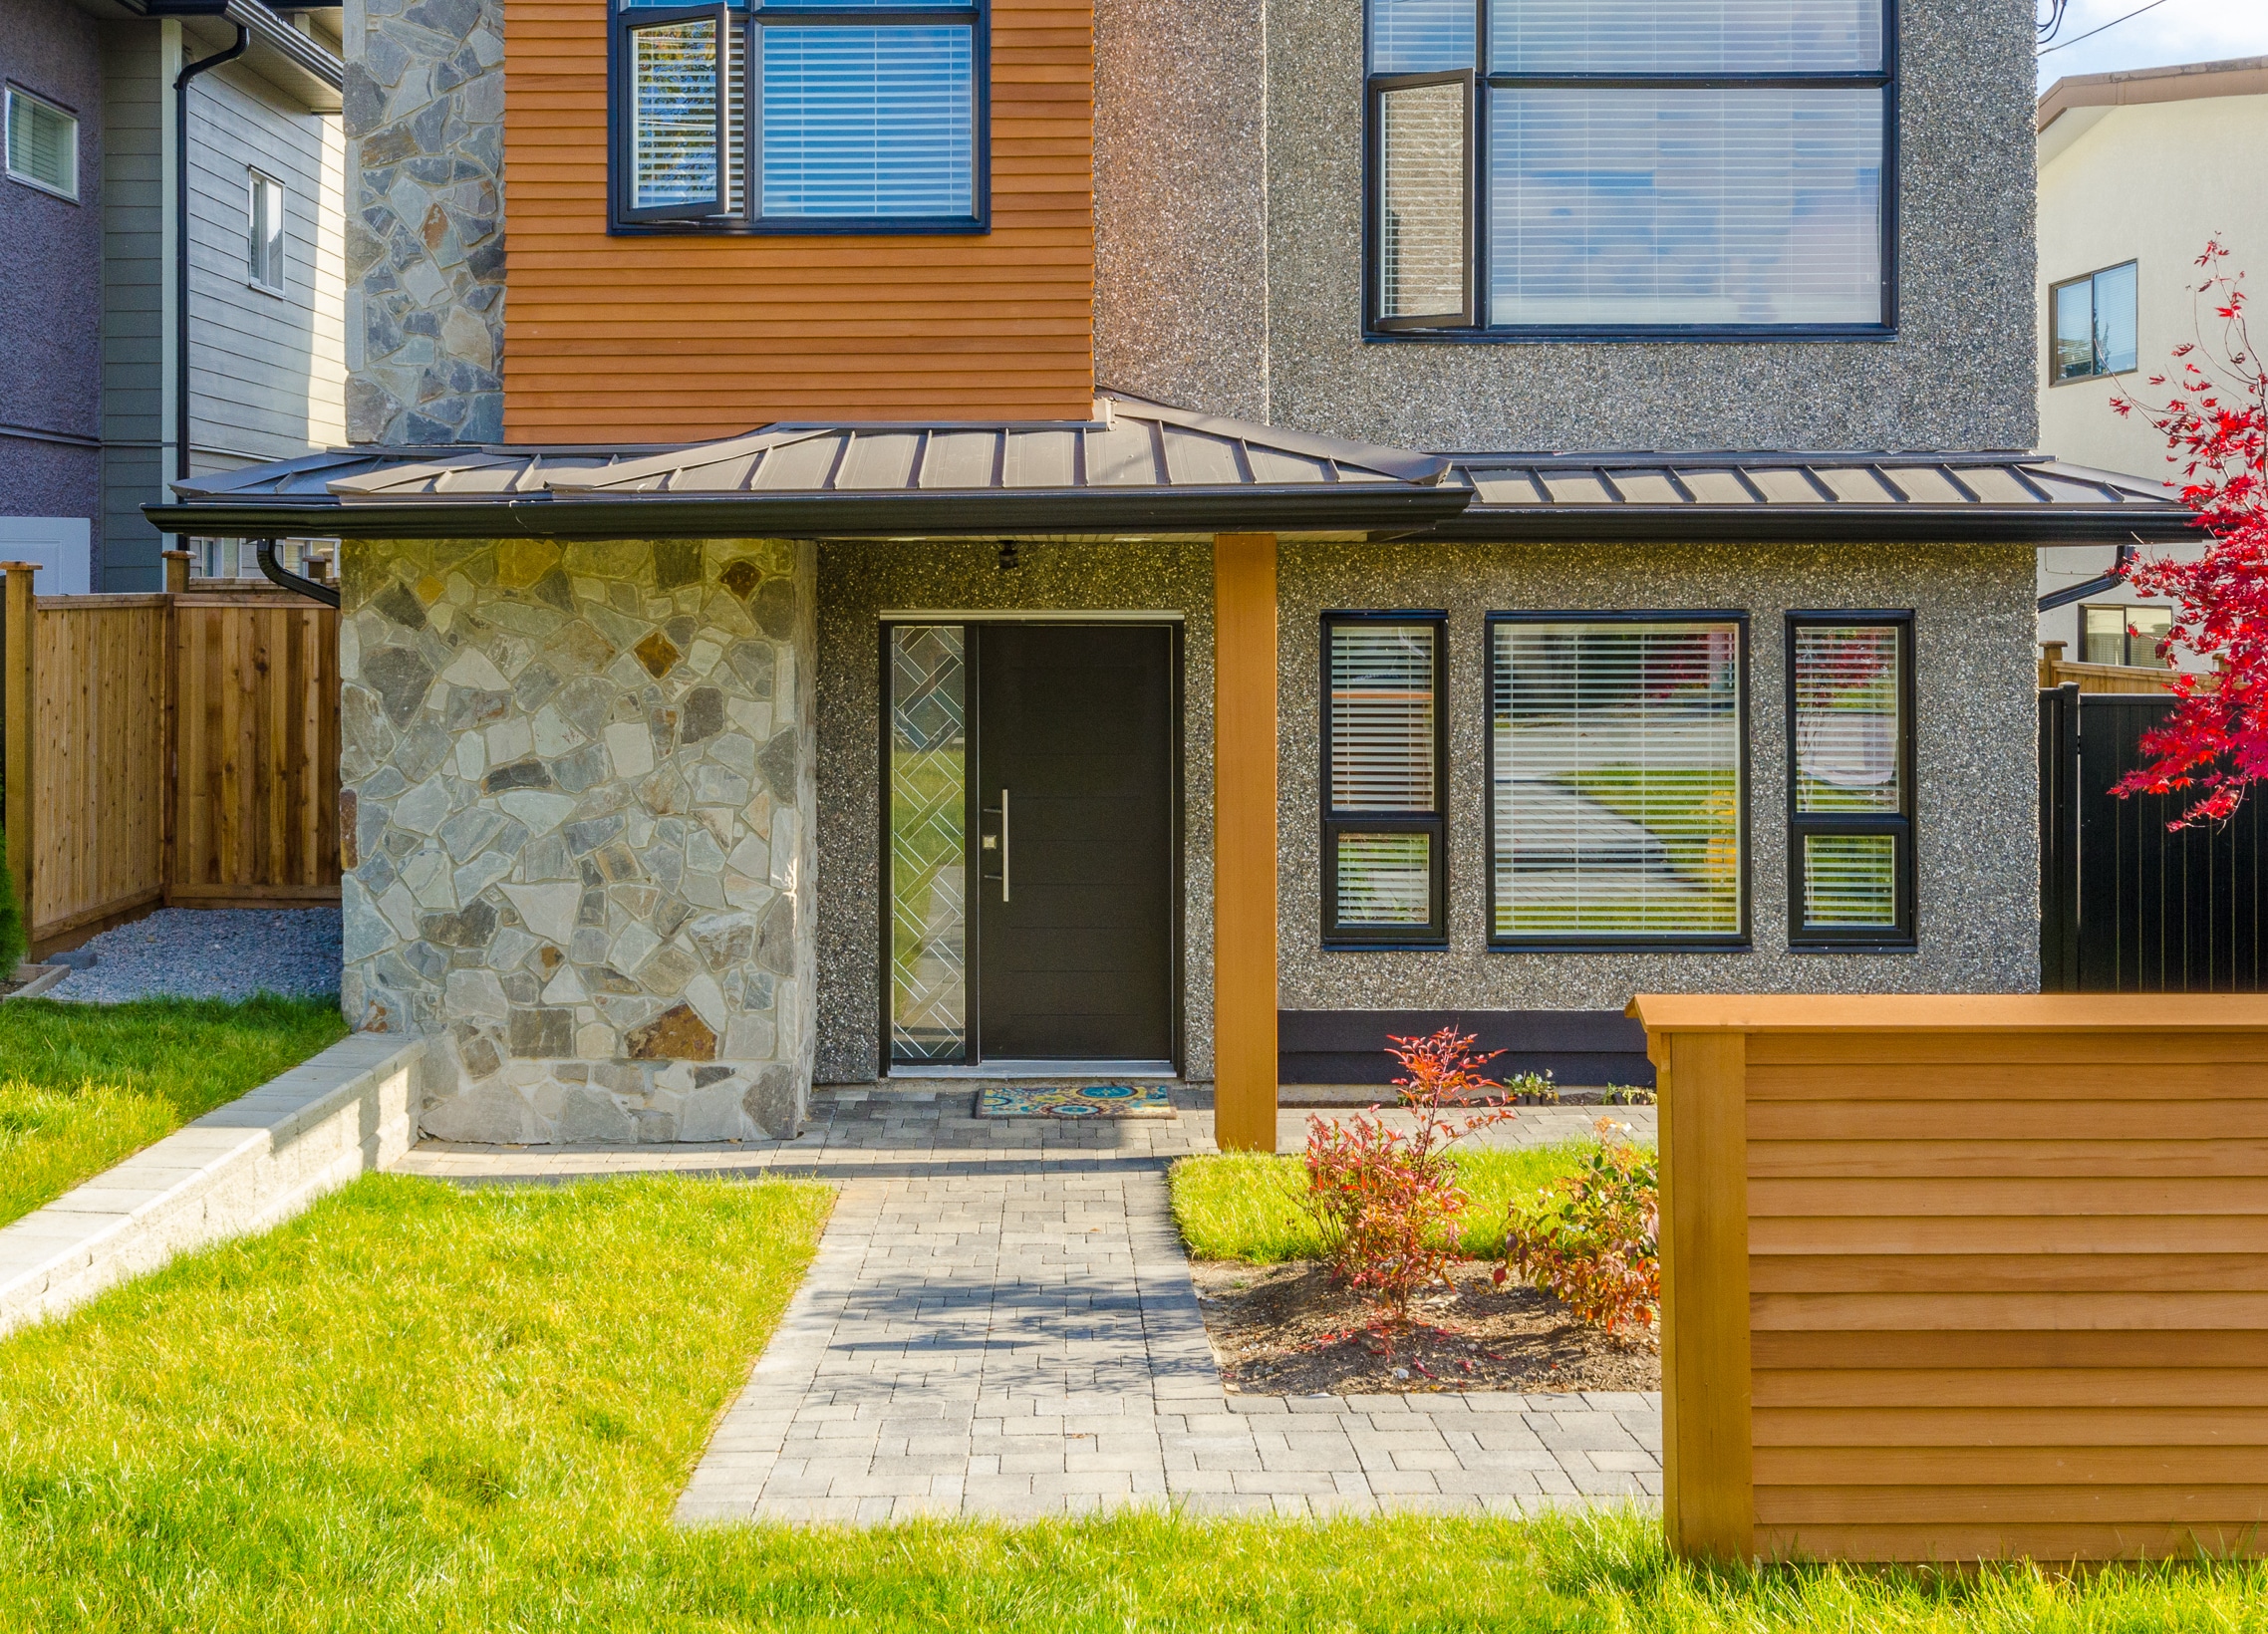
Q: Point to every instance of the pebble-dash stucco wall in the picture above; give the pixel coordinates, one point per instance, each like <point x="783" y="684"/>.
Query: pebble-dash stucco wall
<point x="578" y="784"/>
<point x="857" y="582"/>
<point x="1977" y="784"/>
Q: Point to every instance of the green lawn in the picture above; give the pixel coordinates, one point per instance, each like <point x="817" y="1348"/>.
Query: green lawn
<point x="85" y="1085"/>
<point x="421" y="1409"/>
<point x="1245" y="1206"/>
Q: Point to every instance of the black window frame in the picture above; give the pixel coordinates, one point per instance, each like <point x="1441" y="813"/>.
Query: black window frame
<point x="1434" y="934"/>
<point x="1905" y="937"/>
<point x="1473" y="330"/>
<point x="1739" y="941"/>
<point x="2127" y="636"/>
<point x="625" y="221"/>
<point x="2092" y="281"/>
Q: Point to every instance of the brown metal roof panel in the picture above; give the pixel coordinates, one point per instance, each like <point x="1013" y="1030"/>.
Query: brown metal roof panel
<point x="1854" y="485"/>
<point x="1783" y="485"/>
<point x="1506" y="486"/>
<point x="1123" y="456"/>
<point x="1644" y="487"/>
<point x="1041" y="460"/>
<point x="729" y="475"/>
<point x="962" y="459"/>
<point x="1925" y="484"/>
<point x="878" y="461"/>
<point x="1280" y="468"/>
<point x="793" y="467"/>
<point x="1719" y="486"/>
<point x="1575" y="488"/>
<point x="1196" y="460"/>
<point x="1997" y="486"/>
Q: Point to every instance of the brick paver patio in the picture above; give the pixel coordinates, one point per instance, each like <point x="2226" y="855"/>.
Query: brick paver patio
<point x="1000" y="1323"/>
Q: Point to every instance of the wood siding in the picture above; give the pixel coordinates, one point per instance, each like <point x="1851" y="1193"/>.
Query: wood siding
<point x="678" y="337"/>
<point x="2005" y="1278"/>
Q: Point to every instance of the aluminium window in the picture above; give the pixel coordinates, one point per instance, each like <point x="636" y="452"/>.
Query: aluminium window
<point x="1617" y="780"/>
<point x="2127" y="635"/>
<point x="1587" y="168"/>
<point x="264" y="233"/>
<point x="43" y="145"/>
<point x="799" y="117"/>
<point x="2093" y="326"/>
<point x="1385" y="766"/>
<point x="1851" y="873"/>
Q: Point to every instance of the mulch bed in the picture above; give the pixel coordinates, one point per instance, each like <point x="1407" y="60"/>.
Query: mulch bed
<point x="1289" y="1330"/>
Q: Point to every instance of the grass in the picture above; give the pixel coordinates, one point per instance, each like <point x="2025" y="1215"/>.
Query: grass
<point x="1242" y="1206"/>
<point x="83" y="1086"/>
<point x="422" y="1409"/>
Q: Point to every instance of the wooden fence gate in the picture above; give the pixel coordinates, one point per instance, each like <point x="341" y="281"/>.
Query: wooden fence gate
<point x="2125" y="904"/>
<point x="180" y="748"/>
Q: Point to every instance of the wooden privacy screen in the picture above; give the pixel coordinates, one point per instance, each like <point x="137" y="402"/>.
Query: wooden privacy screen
<point x="180" y="748"/>
<point x="1962" y="1277"/>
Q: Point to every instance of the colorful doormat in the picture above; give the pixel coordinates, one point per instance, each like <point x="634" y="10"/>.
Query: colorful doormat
<point x="1074" y="1101"/>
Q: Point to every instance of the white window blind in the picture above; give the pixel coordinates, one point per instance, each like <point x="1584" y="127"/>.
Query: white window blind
<point x="1848" y="760"/>
<point x="1382" y="722"/>
<point x="1421" y="201"/>
<point x="868" y="121"/>
<point x="673" y="89"/>
<point x="1684" y="36"/>
<point x="43" y="145"/>
<point x="1616" y="778"/>
<point x="1850" y="881"/>
<point x="1421" y="36"/>
<point x="1384" y="879"/>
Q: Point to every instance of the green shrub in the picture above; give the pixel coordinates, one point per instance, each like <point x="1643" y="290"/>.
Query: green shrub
<point x="11" y="921"/>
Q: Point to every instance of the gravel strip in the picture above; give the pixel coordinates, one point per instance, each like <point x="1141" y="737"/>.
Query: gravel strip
<point x="215" y="953"/>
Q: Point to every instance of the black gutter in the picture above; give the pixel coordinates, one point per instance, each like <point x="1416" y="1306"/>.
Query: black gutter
<point x="1350" y="508"/>
<point x="189" y="71"/>
<point x="1824" y="524"/>
<point x="2094" y="587"/>
<point x="284" y="579"/>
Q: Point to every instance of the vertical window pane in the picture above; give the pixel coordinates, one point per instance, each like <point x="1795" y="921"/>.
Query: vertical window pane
<point x="1421" y="203"/>
<point x="868" y="121"/>
<point x="1382" y="725"/>
<point x="673" y="71"/>
<point x="1684" y="36"/>
<point x="1617" y="778"/>
<point x="1385" y="879"/>
<point x="1848" y="725"/>
<point x="2103" y="635"/>
<point x="1421" y="36"/>
<point x="2114" y="319"/>
<point x="2075" y="330"/>
<point x="1685" y="205"/>
<point x="929" y="864"/>
<point x="265" y="239"/>
<point x="2149" y="626"/>
<point x="1850" y="881"/>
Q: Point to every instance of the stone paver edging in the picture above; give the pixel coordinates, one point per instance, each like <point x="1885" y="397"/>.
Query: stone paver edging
<point x="241" y="1168"/>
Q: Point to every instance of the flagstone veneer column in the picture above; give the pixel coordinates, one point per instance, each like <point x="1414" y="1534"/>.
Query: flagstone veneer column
<point x="578" y="785"/>
<point x="1243" y="849"/>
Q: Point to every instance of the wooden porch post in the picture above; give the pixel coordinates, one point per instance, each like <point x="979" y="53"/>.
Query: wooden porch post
<point x="16" y="719"/>
<point x="1244" y="842"/>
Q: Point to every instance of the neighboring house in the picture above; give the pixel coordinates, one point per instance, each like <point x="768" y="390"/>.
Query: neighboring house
<point x="1006" y="538"/>
<point x="2137" y="172"/>
<point x="131" y="363"/>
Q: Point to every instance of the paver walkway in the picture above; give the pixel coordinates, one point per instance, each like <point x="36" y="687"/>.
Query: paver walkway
<point x="1000" y="1323"/>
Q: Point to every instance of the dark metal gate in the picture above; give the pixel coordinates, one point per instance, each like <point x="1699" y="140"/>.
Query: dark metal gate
<point x="2126" y="905"/>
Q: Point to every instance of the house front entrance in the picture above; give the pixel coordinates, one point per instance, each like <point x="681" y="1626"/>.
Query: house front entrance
<point x="1031" y="790"/>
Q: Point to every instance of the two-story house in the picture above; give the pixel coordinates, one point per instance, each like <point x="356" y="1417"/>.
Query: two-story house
<point x="172" y="218"/>
<point x="1011" y="536"/>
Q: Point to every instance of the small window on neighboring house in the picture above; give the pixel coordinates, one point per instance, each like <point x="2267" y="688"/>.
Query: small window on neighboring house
<point x="2093" y="322"/>
<point x="799" y="115"/>
<point x="43" y="145"/>
<point x="1384" y="872"/>
<point x="1618" y="772"/>
<point x="2125" y="635"/>
<point x="1851" y="781"/>
<point x="264" y="235"/>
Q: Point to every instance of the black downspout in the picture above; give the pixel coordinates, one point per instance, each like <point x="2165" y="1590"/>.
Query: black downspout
<point x="2094" y="587"/>
<point x="285" y="579"/>
<point x="189" y="71"/>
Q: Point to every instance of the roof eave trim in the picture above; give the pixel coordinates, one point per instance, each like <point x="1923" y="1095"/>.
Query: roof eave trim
<point x="1841" y="524"/>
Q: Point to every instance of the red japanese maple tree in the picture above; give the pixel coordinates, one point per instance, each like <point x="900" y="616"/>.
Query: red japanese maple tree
<point x="2215" y="744"/>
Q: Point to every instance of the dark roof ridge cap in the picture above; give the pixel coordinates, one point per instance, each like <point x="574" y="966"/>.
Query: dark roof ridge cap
<point x="1407" y="465"/>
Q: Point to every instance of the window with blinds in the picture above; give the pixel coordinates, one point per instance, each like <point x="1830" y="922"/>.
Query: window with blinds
<point x="1851" y="779"/>
<point x="43" y="145"/>
<point x="1384" y="872"/>
<point x="794" y="115"/>
<point x="1689" y="166"/>
<point x="1616" y="769"/>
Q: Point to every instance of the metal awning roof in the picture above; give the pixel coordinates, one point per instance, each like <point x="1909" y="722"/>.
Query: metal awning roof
<point x="1148" y="470"/>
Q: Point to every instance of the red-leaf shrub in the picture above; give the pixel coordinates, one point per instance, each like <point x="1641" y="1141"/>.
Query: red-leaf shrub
<point x="1387" y="1201"/>
<point x="2215" y="744"/>
<point x="1593" y="1237"/>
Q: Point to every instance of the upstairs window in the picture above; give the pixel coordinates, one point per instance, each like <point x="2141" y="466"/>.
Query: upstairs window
<point x="43" y="145"/>
<point x="264" y="234"/>
<point x="1588" y="168"/>
<point x="1851" y="781"/>
<point x="2094" y="320"/>
<point x="1384" y="871"/>
<point x="799" y="117"/>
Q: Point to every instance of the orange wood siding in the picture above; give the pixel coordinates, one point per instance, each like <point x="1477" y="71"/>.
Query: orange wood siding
<point x="679" y="337"/>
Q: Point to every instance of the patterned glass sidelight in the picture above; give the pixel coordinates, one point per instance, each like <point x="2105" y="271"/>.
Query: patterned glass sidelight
<point x="928" y="826"/>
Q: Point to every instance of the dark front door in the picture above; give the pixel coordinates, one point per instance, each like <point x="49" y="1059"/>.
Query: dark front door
<point x="1075" y="790"/>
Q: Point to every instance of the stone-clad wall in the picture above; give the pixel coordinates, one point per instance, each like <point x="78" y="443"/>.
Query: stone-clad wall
<point x="424" y="108"/>
<point x="579" y="778"/>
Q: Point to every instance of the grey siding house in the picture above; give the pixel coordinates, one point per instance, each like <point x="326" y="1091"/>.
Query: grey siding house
<point x="1181" y="551"/>
<point x="173" y="209"/>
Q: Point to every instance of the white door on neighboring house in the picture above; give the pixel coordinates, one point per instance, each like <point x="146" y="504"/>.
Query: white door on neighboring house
<point x="62" y="546"/>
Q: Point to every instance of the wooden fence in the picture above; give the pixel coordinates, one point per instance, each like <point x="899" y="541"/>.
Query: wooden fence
<point x="177" y="748"/>
<point x="1953" y="1278"/>
<point x="2056" y="671"/>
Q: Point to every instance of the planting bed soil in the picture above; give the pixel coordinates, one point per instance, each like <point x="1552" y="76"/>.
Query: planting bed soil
<point x="1289" y="1330"/>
